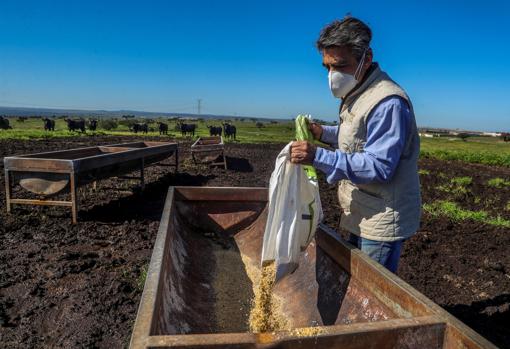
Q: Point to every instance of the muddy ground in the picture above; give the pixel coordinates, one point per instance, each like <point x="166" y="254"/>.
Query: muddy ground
<point x="65" y="286"/>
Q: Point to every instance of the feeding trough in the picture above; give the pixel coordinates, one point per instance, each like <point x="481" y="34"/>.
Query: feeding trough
<point x="206" y="262"/>
<point x="50" y="173"/>
<point x="209" y="150"/>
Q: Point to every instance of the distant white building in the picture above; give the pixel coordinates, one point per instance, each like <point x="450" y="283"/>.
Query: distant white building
<point x="492" y="134"/>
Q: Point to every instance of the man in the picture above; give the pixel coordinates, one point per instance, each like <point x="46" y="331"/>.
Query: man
<point x="375" y="164"/>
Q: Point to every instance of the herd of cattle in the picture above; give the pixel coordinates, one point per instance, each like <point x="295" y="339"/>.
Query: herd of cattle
<point x="187" y="130"/>
<point x="72" y="125"/>
<point x="228" y="130"/>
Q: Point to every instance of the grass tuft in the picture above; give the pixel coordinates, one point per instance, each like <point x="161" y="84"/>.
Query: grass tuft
<point x="457" y="186"/>
<point x="498" y="183"/>
<point x="140" y="283"/>
<point x="461" y="181"/>
<point x="454" y="212"/>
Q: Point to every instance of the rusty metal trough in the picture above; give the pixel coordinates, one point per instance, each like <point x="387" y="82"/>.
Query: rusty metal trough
<point x="50" y="173"/>
<point x="209" y="149"/>
<point x="198" y="288"/>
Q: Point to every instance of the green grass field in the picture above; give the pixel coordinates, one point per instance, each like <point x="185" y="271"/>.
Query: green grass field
<point x="484" y="150"/>
<point x="247" y="131"/>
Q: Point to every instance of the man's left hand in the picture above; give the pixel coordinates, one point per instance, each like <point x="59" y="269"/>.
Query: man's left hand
<point x="302" y="152"/>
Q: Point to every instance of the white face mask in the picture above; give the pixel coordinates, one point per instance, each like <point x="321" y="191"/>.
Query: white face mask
<point x="341" y="84"/>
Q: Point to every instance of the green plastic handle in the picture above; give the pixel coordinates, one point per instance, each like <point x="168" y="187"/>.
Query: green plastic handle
<point x="304" y="134"/>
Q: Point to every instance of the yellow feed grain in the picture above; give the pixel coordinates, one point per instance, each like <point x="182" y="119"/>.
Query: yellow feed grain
<point x="307" y="331"/>
<point x="265" y="315"/>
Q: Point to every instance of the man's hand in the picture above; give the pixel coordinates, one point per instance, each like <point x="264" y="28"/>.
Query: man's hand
<point x="302" y="152"/>
<point x="316" y="130"/>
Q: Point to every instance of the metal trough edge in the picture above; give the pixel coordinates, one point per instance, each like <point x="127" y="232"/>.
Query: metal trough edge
<point x="456" y="330"/>
<point x="354" y="333"/>
<point x="454" y="333"/>
<point x="143" y="321"/>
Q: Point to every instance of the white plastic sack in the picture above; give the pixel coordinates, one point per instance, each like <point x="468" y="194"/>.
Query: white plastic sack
<point x="293" y="214"/>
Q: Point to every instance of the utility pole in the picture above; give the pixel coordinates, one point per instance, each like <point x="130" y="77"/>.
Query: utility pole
<point x="199" y="105"/>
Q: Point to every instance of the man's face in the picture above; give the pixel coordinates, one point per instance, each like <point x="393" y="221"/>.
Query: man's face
<point x="341" y="59"/>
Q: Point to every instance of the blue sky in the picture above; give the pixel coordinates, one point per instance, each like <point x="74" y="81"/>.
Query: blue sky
<point x="252" y="58"/>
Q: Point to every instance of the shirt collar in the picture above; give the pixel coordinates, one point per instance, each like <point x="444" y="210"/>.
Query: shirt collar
<point x="369" y="77"/>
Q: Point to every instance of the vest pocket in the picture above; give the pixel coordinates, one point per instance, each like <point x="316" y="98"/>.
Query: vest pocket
<point x="368" y="201"/>
<point x="352" y="199"/>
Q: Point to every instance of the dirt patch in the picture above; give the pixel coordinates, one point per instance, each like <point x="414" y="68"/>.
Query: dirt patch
<point x="64" y="286"/>
<point x="464" y="266"/>
<point x="441" y="182"/>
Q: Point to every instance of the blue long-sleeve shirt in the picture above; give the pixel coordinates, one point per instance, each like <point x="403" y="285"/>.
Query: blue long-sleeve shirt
<point x="387" y="128"/>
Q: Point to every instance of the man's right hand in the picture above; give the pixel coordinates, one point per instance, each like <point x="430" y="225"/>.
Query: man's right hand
<point x="316" y="130"/>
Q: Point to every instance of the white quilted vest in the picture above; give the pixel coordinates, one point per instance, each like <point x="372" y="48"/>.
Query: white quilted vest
<point x="379" y="211"/>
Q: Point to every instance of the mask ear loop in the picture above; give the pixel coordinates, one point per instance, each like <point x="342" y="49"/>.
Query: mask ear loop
<point x="360" y="66"/>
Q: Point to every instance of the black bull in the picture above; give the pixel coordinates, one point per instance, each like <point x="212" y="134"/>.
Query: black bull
<point x="140" y="127"/>
<point x="163" y="128"/>
<point x="188" y="129"/>
<point x="74" y="125"/>
<point x="49" y="125"/>
<point x="215" y="131"/>
<point x="4" y="123"/>
<point x="230" y="131"/>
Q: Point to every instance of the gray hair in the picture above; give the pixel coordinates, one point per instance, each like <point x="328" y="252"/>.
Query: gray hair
<point x="349" y="32"/>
